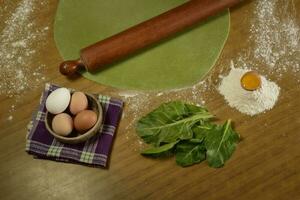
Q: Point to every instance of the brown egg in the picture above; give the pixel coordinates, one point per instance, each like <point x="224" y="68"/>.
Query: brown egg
<point x="62" y="124"/>
<point x="85" y="120"/>
<point x="79" y="102"/>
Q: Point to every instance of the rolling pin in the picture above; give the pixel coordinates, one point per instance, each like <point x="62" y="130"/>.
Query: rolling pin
<point x="145" y="34"/>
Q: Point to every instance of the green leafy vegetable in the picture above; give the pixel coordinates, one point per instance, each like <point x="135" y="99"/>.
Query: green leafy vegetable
<point x="155" y="151"/>
<point x="200" y="131"/>
<point x="187" y="131"/>
<point x="220" y="144"/>
<point x="188" y="153"/>
<point x="170" y="122"/>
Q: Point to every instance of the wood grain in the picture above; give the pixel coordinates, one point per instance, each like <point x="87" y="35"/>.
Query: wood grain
<point x="264" y="166"/>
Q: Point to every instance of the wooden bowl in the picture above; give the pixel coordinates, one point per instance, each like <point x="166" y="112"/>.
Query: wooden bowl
<point x="76" y="137"/>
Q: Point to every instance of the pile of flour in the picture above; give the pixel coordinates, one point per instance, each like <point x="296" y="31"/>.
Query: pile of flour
<point x="248" y="102"/>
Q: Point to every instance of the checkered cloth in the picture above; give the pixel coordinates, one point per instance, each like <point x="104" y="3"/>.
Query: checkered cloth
<point x="94" y="152"/>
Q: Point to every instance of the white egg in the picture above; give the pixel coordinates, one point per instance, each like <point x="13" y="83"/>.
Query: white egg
<point x="58" y="100"/>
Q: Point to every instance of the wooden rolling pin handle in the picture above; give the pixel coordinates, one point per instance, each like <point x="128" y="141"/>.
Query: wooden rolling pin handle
<point x="70" y="67"/>
<point x="147" y="33"/>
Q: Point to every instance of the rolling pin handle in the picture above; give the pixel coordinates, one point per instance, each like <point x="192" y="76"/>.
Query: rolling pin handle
<point x="70" y="67"/>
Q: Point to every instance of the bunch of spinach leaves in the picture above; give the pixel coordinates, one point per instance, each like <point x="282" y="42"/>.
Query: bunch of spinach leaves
<point x="187" y="131"/>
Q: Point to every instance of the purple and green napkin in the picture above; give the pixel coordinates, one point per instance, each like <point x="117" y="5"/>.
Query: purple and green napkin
<point x="94" y="152"/>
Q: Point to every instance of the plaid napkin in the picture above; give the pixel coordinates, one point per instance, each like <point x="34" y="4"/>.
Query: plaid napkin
<point x="93" y="152"/>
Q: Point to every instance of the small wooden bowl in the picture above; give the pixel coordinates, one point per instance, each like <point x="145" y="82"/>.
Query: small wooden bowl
<point x="75" y="137"/>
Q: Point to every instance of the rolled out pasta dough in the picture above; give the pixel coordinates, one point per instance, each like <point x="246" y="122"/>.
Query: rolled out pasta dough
<point x="177" y="62"/>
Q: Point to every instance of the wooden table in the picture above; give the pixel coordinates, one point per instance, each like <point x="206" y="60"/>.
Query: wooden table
<point x="264" y="166"/>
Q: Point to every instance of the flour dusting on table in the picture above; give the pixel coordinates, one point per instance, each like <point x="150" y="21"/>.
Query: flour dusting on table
<point x="275" y="35"/>
<point x="21" y="39"/>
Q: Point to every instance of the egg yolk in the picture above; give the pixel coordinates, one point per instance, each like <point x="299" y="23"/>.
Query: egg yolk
<point x="251" y="81"/>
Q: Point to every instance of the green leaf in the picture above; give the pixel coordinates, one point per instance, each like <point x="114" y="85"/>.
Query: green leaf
<point x="196" y="140"/>
<point x="189" y="153"/>
<point x="156" y="151"/>
<point x="192" y="109"/>
<point x="200" y="131"/>
<point x="220" y="144"/>
<point x="171" y="122"/>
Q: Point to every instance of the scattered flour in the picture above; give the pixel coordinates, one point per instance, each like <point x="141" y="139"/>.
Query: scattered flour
<point x="275" y="36"/>
<point x="21" y="40"/>
<point x="10" y="118"/>
<point x="248" y="102"/>
<point x="128" y="94"/>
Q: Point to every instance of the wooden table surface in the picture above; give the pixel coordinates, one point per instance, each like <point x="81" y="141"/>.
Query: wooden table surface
<point x="264" y="166"/>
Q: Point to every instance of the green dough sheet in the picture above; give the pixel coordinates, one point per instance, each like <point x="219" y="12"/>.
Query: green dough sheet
<point x="180" y="61"/>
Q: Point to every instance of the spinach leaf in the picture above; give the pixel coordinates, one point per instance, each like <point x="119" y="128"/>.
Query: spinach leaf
<point x="220" y="143"/>
<point x="200" y="131"/>
<point x="188" y="153"/>
<point x="171" y="122"/>
<point x="162" y="150"/>
<point x="196" y="140"/>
